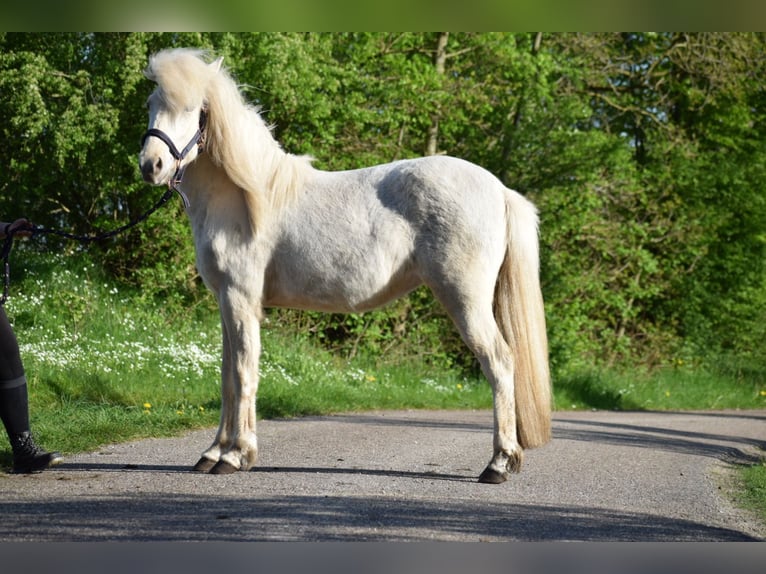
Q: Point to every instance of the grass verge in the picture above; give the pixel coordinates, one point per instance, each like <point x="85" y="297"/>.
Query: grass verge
<point x="753" y="496"/>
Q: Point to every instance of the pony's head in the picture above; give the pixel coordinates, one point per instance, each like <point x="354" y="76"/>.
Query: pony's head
<point x="177" y="112"/>
<point x="196" y="100"/>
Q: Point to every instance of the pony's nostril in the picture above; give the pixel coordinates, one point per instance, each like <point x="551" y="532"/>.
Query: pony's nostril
<point x="149" y="170"/>
<point x="158" y="165"/>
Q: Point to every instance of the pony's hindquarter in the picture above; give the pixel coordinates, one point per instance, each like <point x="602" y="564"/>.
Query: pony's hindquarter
<point x="520" y="316"/>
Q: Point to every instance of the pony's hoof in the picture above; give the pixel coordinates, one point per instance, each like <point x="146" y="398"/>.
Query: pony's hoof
<point x="204" y="465"/>
<point x="223" y="467"/>
<point x="491" y="476"/>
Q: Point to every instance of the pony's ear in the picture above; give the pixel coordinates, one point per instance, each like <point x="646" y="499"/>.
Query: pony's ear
<point x="216" y="66"/>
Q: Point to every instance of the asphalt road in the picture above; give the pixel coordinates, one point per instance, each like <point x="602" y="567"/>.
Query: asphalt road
<point x="406" y="476"/>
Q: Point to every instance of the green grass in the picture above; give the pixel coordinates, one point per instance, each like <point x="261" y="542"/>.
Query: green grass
<point x="106" y="365"/>
<point x="668" y="389"/>
<point x="136" y="388"/>
<point x="754" y="494"/>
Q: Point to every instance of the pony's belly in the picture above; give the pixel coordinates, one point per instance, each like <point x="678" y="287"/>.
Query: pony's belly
<point x="339" y="295"/>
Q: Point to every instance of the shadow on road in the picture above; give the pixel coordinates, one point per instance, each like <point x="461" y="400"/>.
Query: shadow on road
<point x="332" y="518"/>
<point x="111" y="467"/>
<point x="663" y="438"/>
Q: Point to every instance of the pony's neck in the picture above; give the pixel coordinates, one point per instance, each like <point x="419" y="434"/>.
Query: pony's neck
<point x="241" y="144"/>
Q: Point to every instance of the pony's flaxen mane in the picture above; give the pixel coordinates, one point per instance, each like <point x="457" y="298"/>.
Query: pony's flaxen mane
<point x="237" y="138"/>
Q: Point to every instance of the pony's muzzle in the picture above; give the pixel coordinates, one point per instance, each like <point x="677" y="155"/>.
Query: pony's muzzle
<point x="152" y="169"/>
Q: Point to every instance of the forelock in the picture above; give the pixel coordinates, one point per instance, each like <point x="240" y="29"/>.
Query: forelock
<point x="181" y="75"/>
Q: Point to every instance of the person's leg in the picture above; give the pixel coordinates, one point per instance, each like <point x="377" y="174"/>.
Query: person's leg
<point x="14" y="406"/>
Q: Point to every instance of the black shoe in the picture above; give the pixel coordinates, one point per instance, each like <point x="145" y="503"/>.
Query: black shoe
<point x="28" y="457"/>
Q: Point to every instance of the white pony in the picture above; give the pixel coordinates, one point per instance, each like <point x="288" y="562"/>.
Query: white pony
<point x="271" y="230"/>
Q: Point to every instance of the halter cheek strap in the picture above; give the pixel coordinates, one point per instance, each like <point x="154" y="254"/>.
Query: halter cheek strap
<point x="198" y="139"/>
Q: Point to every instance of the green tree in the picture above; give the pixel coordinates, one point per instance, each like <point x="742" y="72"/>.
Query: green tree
<point x="73" y="107"/>
<point x="643" y="151"/>
<point x="690" y="107"/>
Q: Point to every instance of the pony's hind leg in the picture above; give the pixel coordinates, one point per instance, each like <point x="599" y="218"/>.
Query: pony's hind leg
<point x="473" y="316"/>
<point x="497" y="365"/>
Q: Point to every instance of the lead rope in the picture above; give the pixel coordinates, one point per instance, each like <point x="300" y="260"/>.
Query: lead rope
<point x="174" y="186"/>
<point x="5" y="252"/>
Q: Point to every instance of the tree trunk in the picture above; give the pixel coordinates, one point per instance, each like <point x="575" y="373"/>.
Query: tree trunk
<point x="440" y="57"/>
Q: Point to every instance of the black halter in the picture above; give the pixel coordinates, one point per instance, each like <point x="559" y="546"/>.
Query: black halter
<point x="198" y="139"/>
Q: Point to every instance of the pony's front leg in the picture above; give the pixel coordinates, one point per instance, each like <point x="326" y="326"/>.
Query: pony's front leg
<point x="213" y="453"/>
<point x="235" y="446"/>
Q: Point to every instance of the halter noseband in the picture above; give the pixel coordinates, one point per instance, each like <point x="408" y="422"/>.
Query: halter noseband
<point x="198" y="139"/>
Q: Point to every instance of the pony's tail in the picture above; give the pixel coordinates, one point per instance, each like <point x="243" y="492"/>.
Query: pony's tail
<point x="520" y="315"/>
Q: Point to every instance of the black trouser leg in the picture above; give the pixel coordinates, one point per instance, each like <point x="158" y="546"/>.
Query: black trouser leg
<point x="14" y="401"/>
<point x="14" y="408"/>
